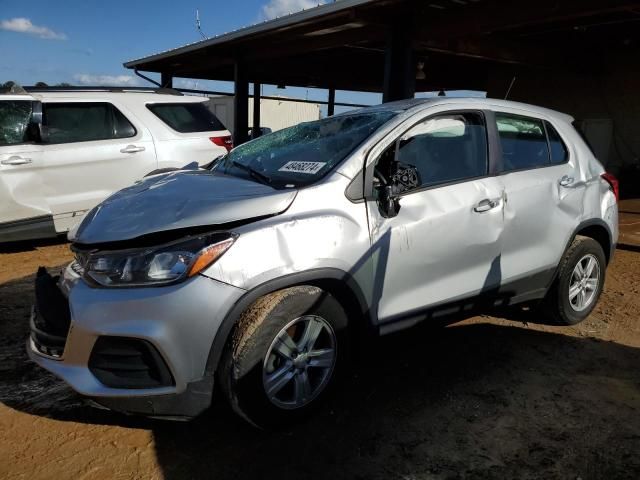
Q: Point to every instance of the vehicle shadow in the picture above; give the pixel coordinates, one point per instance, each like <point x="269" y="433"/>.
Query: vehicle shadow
<point x="479" y="400"/>
<point x="476" y="400"/>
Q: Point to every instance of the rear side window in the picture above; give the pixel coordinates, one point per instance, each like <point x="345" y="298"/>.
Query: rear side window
<point x="446" y="148"/>
<point x="557" y="148"/>
<point x="14" y="119"/>
<point x="84" y="122"/>
<point x="187" y="117"/>
<point x="524" y="142"/>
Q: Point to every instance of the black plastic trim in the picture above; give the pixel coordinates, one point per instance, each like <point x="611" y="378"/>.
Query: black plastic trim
<point x="314" y="276"/>
<point x="594" y="222"/>
<point x="526" y="289"/>
<point x="182" y="406"/>
<point x="119" y="362"/>
<point x="28" y="229"/>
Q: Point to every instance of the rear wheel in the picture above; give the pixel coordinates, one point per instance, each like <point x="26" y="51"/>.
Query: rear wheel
<point x="284" y="355"/>
<point x="581" y="276"/>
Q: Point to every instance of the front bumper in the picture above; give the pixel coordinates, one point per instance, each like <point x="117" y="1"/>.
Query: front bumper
<point x="180" y="321"/>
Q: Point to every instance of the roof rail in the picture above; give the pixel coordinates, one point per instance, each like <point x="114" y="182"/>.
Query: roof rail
<point x="165" y="91"/>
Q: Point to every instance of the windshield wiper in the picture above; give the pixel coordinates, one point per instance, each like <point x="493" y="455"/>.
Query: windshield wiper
<point x="214" y="163"/>
<point x="261" y="177"/>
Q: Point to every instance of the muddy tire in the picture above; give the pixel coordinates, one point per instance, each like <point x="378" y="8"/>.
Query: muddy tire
<point x="284" y="356"/>
<point x="576" y="290"/>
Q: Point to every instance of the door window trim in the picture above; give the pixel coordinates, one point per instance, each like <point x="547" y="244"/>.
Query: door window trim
<point x="370" y="166"/>
<point x="114" y="109"/>
<point x="498" y="145"/>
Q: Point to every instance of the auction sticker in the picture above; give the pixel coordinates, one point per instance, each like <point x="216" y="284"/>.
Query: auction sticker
<point x="302" y="167"/>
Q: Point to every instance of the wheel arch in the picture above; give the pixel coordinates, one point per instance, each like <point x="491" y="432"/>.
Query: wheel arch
<point x="338" y="283"/>
<point x="599" y="231"/>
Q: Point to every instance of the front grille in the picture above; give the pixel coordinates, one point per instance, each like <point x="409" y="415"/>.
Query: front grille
<point x="50" y="316"/>
<point x="120" y="362"/>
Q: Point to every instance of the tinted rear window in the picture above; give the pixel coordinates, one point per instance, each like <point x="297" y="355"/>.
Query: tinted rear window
<point x="85" y="122"/>
<point x="523" y="140"/>
<point x="187" y="117"/>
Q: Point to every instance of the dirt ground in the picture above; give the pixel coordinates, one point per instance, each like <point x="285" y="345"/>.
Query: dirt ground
<point x="485" y="398"/>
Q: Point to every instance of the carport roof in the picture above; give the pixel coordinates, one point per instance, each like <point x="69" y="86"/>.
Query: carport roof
<point x="342" y="44"/>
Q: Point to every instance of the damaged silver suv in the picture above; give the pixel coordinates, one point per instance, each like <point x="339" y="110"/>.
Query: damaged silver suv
<point x="250" y="275"/>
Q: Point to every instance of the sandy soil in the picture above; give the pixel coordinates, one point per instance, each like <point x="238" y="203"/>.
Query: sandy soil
<point x="485" y="398"/>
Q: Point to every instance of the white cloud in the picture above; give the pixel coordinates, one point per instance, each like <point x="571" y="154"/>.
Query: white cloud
<point x="24" y="25"/>
<point x="106" y="80"/>
<point x="278" y="8"/>
<point x="186" y="83"/>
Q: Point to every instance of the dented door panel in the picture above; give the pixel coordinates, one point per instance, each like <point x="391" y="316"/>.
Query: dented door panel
<point x="540" y="215"/>
<point x="21" y="187"/>
<point x="438" y="248"/>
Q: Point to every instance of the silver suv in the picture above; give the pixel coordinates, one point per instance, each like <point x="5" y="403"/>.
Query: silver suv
<point x="250" y="274"/>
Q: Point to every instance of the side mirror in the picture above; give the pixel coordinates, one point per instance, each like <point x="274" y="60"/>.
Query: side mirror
<point x="389" y="202"/>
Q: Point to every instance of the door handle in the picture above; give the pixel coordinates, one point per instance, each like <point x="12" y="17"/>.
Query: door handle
<point x="486" y="205"/>
<point x="16" y="160"/>
<point x="132" y="149"/>
<point x="565" y="181"/>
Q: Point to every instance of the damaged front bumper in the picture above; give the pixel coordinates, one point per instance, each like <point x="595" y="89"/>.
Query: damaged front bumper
<point x="134" y="350"/>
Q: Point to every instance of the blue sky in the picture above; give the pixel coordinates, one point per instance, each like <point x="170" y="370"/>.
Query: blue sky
<point x="86" y="41"/>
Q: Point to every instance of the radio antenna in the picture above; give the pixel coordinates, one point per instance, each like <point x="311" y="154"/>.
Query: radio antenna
<point x="198" y="27"/>
<point x="513" y="80"/>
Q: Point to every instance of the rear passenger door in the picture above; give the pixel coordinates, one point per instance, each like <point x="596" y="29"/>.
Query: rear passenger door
<point x="543" y="198"/>
<point x="91" y="150"/>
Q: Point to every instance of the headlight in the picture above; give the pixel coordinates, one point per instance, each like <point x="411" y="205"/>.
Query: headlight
<point x="156" y="265"/>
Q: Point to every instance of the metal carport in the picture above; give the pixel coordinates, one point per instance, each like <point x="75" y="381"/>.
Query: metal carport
<point x="578" y="56"/>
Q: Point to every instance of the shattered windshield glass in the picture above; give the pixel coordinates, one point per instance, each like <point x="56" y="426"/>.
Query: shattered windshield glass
<point x="14" y="119"/>
<point x="300" y="155"/>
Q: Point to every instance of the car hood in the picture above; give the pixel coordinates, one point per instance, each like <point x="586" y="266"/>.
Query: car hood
<point x="179" y="200"/>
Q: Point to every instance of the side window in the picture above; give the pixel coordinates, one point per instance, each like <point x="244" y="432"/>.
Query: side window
<point x="123" y="127"/>
<point x="15" y="116"/>
<point x="441" y="149"/>
<point x="84" y="122"/>
<point x="559" y="152"/>
<point x="187" y="117"/>
<point x="523" y="141"/>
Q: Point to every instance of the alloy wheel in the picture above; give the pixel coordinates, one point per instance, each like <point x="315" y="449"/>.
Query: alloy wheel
<point x="300" y="361"/>
<point x="584" y="283"/>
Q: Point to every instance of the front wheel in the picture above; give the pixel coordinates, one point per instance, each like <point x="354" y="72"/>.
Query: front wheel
<point x="581" y="275"/>
<point x="284" y="355"/>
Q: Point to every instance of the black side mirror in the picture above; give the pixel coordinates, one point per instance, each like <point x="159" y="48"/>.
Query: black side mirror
<point x="389" y="202"/>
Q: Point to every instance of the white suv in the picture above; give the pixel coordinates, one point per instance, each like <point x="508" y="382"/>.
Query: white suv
<point x="63" y="152"/>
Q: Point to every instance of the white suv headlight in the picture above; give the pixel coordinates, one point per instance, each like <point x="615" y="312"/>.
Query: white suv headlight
<point x="158" y="265"/>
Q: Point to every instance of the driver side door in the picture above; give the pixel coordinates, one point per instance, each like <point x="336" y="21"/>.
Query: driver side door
<point x="443" y="242"/>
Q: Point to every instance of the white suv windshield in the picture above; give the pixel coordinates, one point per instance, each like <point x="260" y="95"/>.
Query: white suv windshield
<point x="300" y="155"/>
<point x="14" y="119"/>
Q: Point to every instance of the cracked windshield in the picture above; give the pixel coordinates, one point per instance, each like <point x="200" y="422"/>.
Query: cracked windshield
<point x="300" y="155"/>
